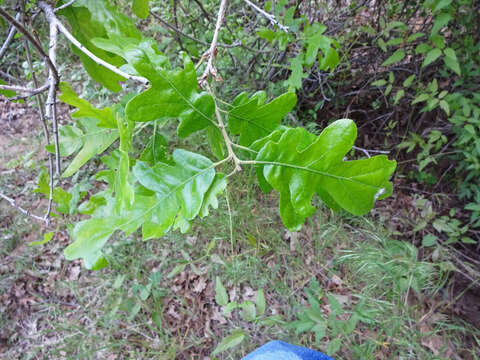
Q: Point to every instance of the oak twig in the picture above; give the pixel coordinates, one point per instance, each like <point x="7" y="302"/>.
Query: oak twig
<point x="267" y="15"/>
<point x="22" y="210"/>
<point x="31" y="39"/>
<point x="10" y="36"/>
<point x="67" y="4"/>
<point x="210" y="53"/>
<point x="22" y="89"/>
<point x="53" y="20"/>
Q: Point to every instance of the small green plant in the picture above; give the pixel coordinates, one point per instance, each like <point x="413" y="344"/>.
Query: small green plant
<point x="327" y="318"/>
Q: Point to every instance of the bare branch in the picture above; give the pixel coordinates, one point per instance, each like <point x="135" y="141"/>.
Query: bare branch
<point x="44" y="127"/>
<point x="10" y="36"/>
<point x="269" y="16"/>
<point x="8" y="76"/>
<point x="31" y="39"/>
<point x="367" y="151"/>
<point x="171" y="27"/>
<point x="22" y="210"/>
<point x="51" y="103"/>
<point x="30" y="92"/>
<point x="210" y="69"/>
<point x="64" y="6"/>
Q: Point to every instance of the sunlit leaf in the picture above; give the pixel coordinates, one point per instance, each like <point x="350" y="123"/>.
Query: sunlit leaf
<point x="299" y="168"/>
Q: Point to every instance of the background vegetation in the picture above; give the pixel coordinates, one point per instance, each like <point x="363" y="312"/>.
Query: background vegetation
<point x="401" y="282"/>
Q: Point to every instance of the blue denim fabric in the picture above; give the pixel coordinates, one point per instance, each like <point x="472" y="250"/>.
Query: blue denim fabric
<point x="279" y="350"/>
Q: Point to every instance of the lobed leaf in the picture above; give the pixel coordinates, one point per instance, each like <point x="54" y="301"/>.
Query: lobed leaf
<point x="92" y="139"/>
<point x="298" y="165"/>
<point x="173" y="94"/>
<point x="175" y="195"/>
<point x="97" y="18"/>
<point x="252" y="119"/>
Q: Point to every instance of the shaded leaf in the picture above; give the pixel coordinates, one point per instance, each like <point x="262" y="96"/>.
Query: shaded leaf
<point x="394" y="58"/>
<point x="249" y="312"/>
<point x="260" y="302"/>
<point x="432" y="55"/>
<point x="255" y="119"/>
<point x="451" y="61"/>
<point x="221" y="296"/>
<point x="296" y="67"/>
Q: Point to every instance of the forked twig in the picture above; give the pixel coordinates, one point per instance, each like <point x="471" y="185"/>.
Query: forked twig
<point x="31" y="39"/>
<point x="211" y="52"/>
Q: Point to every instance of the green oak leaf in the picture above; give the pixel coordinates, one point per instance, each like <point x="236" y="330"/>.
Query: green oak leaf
<point x="328" y="58"/>
<point x="173" y="94"/>
<point x="181" y="191"/>
<point x="294" y="81"/>
<point x="93" y="139"/>
<point x="85" y="109"/>
<point x="253" y="119"/>
<point x="140" y="8"/>
<point x="299" y="165"/>
<point x="61" y="197"/>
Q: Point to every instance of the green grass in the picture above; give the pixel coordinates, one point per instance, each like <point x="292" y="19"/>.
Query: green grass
<point x="145" y="304"/>
<point x="156" y="300"/>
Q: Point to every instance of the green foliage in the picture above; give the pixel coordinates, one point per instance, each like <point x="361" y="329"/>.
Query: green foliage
<point x="252" y="119"/>
<point x="140" y="8"/>
<point x="92" y="136"/>
<point x="168" y="196"/>
<point x="90" y="19"/>
<point x="447" y="86"/>
<point x="321" y="324"/>
<point x="298" y="164"/>
<point x="232" y="340"/>
<point x="150" y="189"/>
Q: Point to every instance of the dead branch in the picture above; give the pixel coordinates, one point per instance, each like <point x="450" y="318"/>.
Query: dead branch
<point x="10" y="36"/>
<point x="31" y="39"/>
<point x="51" y="103"/>
<point x="22" y="210"/>
<point x="210" y="53"/>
